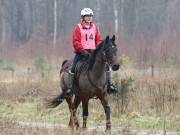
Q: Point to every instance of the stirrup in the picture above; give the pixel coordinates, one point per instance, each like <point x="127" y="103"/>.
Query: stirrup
<point x="69" y="93"/>
<point x="112" y="88"/>
<point x="70" y="72"/>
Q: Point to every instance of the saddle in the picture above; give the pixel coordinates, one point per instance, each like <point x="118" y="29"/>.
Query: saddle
<point x="79" y="67"/>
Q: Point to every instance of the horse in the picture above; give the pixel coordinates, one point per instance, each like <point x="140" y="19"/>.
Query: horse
<point x="90" y="82"/>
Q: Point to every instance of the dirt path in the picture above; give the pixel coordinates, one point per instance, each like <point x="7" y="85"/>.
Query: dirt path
<point x="114" y="130"/>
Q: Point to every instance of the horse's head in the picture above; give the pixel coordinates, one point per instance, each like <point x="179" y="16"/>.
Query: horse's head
<point x="107" y="52"/>
<point x="110" y="52"/>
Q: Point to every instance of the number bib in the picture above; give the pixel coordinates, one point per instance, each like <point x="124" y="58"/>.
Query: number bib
<point x="88" y="37"/>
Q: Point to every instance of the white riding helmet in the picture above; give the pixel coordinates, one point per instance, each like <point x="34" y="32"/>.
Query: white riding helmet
<point x="86" y="11"/>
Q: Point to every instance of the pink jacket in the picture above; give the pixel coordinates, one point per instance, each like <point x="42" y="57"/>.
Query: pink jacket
<point x="84" y="38"/>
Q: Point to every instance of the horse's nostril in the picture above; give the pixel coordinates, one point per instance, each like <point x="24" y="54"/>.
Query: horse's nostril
<point x="115" y="67"/>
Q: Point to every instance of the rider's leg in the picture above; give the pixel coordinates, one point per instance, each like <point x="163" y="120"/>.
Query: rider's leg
<point x="111" y="88"/>
<point x="71" y="77"/>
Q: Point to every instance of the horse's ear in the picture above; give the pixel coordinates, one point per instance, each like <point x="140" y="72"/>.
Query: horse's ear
<point x="113" y="38"/>
<point x="107" y="39"/>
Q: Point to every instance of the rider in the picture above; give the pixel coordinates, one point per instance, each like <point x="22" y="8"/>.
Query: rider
<point x="86" y="38"/>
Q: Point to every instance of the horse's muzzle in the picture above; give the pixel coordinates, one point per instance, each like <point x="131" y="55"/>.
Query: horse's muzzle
<point x="115" y="67"/>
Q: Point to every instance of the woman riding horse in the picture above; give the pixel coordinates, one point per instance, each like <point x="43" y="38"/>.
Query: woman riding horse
<point x="86" y="38"/>
<point x="90" y="81"/>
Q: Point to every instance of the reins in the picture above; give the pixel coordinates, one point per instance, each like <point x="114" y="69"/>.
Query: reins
<point x="94" y="85"/>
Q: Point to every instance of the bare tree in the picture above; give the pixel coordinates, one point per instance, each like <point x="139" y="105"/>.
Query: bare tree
<point x="55" y="24"/>
<point x="116" y="17"/>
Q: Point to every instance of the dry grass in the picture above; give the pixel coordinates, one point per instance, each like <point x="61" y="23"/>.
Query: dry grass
<point x="148" y="103"/>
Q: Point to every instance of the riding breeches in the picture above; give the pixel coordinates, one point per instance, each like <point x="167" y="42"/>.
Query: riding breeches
<point x="77" y="58"/>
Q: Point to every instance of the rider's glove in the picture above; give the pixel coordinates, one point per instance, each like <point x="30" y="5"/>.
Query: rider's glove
<point x="85" y="53"/>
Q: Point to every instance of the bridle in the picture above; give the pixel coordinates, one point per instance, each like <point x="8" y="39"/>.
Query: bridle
<point x="106" y="60"/>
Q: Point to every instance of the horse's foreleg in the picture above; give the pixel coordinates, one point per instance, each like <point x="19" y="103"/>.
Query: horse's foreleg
<point x="75" y="105"/>
<point x="107" y="109"/>
<point x="85" y="112"/>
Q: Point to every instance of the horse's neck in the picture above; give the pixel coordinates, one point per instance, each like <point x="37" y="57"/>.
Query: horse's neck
<point x="99" y="68"/>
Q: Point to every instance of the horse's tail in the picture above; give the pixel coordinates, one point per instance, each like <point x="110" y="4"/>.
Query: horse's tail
<point x="56" y="101"/>
<point x="64" y="62"/>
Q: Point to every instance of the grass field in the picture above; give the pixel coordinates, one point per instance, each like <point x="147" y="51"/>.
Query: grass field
<point x="143" y="103"/>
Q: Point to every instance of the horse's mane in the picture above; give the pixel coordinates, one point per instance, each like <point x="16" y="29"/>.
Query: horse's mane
<point x="93" y="55"/>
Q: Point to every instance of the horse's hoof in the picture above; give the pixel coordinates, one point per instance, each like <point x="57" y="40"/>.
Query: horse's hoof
<point x="71" y="128"/>
<point x="108" y="130"/>
<point x="84" y="128"/>
<point x="77" y="128"/>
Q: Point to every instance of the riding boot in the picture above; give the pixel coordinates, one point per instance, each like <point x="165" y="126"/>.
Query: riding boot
<point x="70" y="91"/>
<point x="111" y="88"/>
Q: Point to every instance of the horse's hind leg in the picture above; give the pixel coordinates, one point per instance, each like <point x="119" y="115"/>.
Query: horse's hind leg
<point x="105" y="104"/>
<point x="69" y="101"/>
<point x="73" y="109"/>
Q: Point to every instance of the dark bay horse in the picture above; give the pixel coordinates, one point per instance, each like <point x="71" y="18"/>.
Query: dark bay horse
<point x="91" y="81"/>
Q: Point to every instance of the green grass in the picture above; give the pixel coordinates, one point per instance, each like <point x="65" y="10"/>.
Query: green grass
<point x="35" y="111"/>
<point x="32" y="112"/>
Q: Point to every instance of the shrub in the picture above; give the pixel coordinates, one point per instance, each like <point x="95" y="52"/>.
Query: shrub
<point x="122" y="97"/>
<point x="8" y="66"/>
<point x="42" y="67"/>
